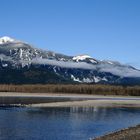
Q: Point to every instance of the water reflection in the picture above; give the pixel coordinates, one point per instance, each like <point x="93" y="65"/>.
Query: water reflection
<point x="75" y="123"/>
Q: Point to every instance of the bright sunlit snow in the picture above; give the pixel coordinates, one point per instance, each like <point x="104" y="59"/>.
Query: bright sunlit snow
<point x="6" y="39"/>
<point x="81" y="57"/>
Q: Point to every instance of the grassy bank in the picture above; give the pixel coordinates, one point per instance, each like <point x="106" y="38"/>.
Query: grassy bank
<point x="79" y="89"/>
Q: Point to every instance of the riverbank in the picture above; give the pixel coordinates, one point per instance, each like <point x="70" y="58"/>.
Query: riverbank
<point x="132" y="133"/>
<point x="67" y="100"/>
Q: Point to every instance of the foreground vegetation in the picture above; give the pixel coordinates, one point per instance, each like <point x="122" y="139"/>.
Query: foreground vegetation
<point x="79" y="89"/>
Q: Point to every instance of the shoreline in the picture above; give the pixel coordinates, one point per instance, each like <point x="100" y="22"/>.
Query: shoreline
<point x="131" y="133"/>
<point x="90" y="103"/>
<point x="63" y="94"/>
<point x="67" y="100"/>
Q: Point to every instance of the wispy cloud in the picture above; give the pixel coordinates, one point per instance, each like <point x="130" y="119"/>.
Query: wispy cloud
<point x="120" y="70"/>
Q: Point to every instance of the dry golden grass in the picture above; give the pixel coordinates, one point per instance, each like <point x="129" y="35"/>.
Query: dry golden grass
<point x="77" y="88"/>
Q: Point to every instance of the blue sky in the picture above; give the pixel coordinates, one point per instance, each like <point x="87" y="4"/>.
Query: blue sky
<point x="104" y="29"/>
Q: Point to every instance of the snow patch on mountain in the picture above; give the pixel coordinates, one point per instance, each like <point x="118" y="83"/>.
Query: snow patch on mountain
<point x="104" y="79"/>
<point x="93" y="61"/>
<point x="87" y="80"/>
<point x="81" y="57"/>
<point x="21" y="52"/>
<point x="97" y="79"/>
<point x="110" y="62"/>
<point x="4" y="65"/>
<point x="75" y="79"/>
<point x="6" y="39"/>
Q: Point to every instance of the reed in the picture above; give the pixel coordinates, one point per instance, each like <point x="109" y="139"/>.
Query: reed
<point x="77" y="88"/>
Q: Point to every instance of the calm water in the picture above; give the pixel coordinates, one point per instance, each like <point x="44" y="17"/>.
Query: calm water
<point x="63" y="123"/>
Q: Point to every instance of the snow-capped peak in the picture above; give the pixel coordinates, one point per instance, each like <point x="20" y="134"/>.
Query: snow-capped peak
<point x="6" y="39"/>
<point x="81" y="57"/>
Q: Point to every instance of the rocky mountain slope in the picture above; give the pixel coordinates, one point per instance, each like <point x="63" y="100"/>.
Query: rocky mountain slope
<point x="21" y="63"/>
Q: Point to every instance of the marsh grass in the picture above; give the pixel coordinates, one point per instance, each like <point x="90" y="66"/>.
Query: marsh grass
<point x="77" y="88"/>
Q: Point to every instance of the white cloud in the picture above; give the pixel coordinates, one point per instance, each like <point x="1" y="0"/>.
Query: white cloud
<point x="68" y="64"/>
<point x="119" y="70"/>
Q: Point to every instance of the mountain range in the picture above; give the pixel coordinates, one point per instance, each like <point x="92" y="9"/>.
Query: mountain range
<point x="21" y="63"/>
